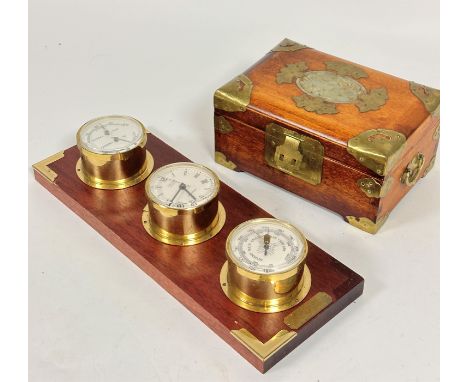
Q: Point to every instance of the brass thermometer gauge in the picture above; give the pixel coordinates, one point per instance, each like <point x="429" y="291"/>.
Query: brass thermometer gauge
<point x="265" y="269"/>
<point x="183" y="207"/>
<point x="113" y="152"/>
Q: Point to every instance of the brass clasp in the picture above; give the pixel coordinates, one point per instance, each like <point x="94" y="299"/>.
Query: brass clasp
<point x="293" y="153"/>
<point x="287" y="155"/>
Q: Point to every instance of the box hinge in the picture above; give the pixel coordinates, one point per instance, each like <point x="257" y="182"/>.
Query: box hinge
<point x="293" y="153"/>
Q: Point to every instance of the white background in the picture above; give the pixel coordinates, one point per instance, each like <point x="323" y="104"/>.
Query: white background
<point x="93" y="315"/>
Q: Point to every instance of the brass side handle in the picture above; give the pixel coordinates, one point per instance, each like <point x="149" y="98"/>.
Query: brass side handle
<point x="413" y="170"/>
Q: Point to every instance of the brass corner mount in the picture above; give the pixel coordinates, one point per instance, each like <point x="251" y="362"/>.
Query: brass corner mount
<point x="43" y="168"/>
<point x="378" y="149"/>
<point x="366" y="224"/>
<point x="235" y="95"/>
<point x="263" y="350"/>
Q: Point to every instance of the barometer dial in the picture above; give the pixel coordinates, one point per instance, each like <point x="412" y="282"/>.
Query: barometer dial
<point x="266" y="269"/>
<point x="266" y="246"/>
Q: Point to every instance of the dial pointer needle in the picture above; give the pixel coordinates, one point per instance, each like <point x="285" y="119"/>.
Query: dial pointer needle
<point x="266" y="242"/>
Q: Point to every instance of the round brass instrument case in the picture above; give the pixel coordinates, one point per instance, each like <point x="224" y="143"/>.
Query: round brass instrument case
<point x="183" y="227"/>
<point x="265" y="293"/>
<point x="114" y="170"/>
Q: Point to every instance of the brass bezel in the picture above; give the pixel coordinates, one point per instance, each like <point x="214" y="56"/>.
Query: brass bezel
<point x="265" y="293"/>
<point x="180" y="218"/>
<point x="113" y="161"/>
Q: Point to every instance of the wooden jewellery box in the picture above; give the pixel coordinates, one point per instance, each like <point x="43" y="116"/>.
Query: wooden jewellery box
<point x="350" y="138"/>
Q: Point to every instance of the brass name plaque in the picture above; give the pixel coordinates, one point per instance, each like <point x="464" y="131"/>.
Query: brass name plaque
<point x="308" y="310"/>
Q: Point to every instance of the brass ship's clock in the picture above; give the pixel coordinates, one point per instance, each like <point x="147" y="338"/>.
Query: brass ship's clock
<point x="265" y="269"/>
<point x="183" y="207"/>
<point x="113" y="152"/>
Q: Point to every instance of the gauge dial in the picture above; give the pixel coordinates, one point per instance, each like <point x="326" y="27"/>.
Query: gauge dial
<point x="266" y="246"/>
<point x="111" y="135"/>
<point x="183" y="185"/>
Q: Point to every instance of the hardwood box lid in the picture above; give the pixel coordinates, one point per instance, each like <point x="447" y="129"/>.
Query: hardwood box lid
<point x="363" y="118"/>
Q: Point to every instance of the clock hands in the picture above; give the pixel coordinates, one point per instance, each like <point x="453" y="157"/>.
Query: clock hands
<point x="191" y="195"/>
<point x="181" y="187"/>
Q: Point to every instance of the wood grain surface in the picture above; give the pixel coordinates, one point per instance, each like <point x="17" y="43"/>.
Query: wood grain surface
<point x="191" y="274"/>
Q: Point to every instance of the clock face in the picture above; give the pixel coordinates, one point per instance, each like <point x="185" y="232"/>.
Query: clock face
<point x="182" y="185"/>
<point x="266" y="246"/>
<point x="111" y="135"/>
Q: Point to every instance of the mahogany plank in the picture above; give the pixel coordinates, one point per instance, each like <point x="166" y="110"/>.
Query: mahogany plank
<point x="191" y="274"/>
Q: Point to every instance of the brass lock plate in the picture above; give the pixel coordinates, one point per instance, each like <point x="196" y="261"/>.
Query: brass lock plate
<point x="293" y="153"/>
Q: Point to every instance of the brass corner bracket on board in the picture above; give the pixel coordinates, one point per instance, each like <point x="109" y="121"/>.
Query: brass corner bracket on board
<point x="43" y="166"/>
<point x="263" y="350"/>
<point x="235" y="95"/>
<point x="374" y="189"/>
<point x="288" y="45"/>
<point x="377" y="149"/>
<point x="366" y="224"/>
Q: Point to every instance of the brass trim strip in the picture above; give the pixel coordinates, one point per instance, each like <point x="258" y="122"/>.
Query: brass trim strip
<point x="263" y="350"/>
<point x="308" y="310"/>
<point x="42" y="167"/>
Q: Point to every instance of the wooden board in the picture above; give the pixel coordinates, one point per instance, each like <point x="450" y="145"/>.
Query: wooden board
<point x="191" y="274"/>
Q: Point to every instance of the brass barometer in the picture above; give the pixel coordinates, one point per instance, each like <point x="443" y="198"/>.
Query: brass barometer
<point x="183" y="207"/>
<point x="265" y="269"/>
<point x="113" y="152"/>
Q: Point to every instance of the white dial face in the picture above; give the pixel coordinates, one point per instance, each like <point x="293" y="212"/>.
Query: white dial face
<point x="111" y="135"/>
<point x="266" y="246"/>
<point x="183" y="185"/>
